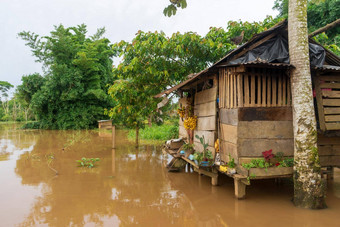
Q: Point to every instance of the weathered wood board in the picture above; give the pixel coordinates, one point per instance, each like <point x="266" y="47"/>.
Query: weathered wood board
<point x="331" y="102"/>
<point x="255" y="147"/>
<point x="325" y="150"/>
<point x="229" y="133"/>
<point x="105" y="124"/>
<point x="331" y="94"/>
<point x="265" y="114"/>
<point x="209" y="137"/>
<point x="332" y="110"/>
<point x="333" y="126"/>
<point x="206" y="123"/>
<point x="265" y="129"/>
<point x="205" y="109"/>
<point x="331" y="140"/>
<point x="329" y="118"/>
<point x="227" y="149"/>
<point x="229" y="116"/>
<point x="206" y="96"/>
<point x="260" y="173"/>
<point x="330" y="160"/>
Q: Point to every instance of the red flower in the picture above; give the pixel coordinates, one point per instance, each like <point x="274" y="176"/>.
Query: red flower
<point x="268" y="154"/>
<point x="277" y="164"/>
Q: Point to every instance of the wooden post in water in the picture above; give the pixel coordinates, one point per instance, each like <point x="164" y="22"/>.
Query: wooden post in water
<point x="240" y="188"/>
<point x="113" y="137"/>
<point x="113" y="162"/>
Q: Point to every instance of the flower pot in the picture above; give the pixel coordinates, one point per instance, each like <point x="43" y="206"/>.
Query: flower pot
<point x="231" y="170"/>
<point x="205" y="163"/>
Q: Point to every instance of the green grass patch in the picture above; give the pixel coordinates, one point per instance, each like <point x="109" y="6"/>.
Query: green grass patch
<point x="166" y="131"/>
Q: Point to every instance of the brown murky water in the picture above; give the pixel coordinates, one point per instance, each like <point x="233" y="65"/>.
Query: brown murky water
<point x="130" y="186"/>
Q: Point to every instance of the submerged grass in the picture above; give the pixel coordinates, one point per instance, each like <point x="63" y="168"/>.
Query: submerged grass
<point x="166" y="131"/>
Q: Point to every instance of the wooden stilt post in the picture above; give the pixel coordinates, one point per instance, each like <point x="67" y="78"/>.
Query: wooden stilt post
<point x="240" y="189"/>
<point x="330" y="173"/>
<point x="113" y="137"/>
<point x="113" y="162"/>
<point x="214" y="180"/>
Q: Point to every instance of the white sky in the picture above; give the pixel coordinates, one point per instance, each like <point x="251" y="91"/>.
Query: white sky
<point x="121" y="18"/>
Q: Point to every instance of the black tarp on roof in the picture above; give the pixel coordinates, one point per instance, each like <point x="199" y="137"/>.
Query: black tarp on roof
<point x="275" y="50"/>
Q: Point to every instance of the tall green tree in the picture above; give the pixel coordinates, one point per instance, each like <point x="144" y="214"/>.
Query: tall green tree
<point x="4" y="88"/>
<point x="31" y="84"/>
<point x="77" y="69"/>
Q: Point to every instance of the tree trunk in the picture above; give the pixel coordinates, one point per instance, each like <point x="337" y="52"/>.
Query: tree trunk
<point x="309" y="189"/>
<point x="150" y="120"/>
<point x="137" y="136"/>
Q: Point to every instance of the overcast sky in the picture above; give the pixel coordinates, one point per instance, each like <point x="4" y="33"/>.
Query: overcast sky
<point x="121" y="18"/>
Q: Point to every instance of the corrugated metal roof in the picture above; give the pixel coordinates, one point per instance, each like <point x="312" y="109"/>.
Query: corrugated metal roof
<point x="259" y="62"/>
<point x="328" y="68"/>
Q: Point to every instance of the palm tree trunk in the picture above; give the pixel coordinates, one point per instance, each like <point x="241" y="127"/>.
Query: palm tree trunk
<point x="309" y="189"/>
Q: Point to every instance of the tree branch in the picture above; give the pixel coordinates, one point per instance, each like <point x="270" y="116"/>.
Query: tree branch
<point x="325" y="28"/>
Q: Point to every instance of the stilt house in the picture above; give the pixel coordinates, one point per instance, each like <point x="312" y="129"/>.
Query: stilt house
<point x="244" y="100"/>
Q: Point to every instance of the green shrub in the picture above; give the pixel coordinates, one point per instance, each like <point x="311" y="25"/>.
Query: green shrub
<point x="156" y="132"/>
<point x="32" y="125"/>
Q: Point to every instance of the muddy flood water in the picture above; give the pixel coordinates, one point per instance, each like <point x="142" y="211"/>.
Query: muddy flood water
<point x="130" y="186"/>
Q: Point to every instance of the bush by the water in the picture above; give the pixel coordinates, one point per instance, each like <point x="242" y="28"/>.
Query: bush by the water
<point x="32" y="125"/>
<point x="157" y="132"/>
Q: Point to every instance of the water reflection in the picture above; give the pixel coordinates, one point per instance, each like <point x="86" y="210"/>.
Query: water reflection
<point x="130" y="186"/>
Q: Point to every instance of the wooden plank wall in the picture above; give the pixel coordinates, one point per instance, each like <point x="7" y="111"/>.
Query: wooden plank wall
<point x="229" y="87"/>
<point x="255" y="137"/>
<point x="228" y="134"/>
<point x="327" y="90"/>
<point x="245" y="134"/>
<point x="253" y="87"/>
<point x="329" y="149"/>
<point x="205" y="109"/>
<point x="266" y="88"/>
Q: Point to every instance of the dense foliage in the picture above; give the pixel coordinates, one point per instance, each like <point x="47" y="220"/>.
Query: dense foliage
<point x="319" y="14"/>
<point x="152" y="62"/>
<point x="73" y="92"/>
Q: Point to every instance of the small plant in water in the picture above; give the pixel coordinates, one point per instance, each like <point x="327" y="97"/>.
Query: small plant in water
<point x="88" y="162"/>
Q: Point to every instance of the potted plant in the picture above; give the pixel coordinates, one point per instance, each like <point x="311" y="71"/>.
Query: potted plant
<point x="206" y="157"/>
<point x="188" y="148"/>
<point x="231" y="165"/>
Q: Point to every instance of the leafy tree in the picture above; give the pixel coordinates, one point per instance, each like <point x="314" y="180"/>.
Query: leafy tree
<point x="152" y="62"/>
<point x="4" y="87"/>
<point x="319" y="14"/>
<point x="31" y="84"/>
<point x="77" y="68"/>
<point x="171" y="9"/>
